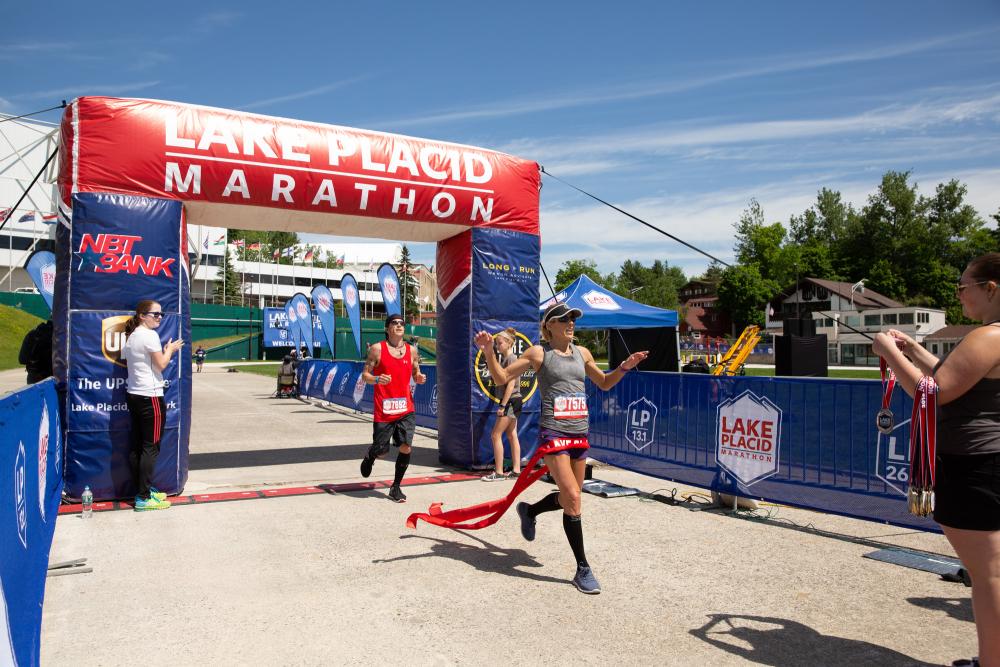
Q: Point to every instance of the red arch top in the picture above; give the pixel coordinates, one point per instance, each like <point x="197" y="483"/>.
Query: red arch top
<point x="297" y="175"/>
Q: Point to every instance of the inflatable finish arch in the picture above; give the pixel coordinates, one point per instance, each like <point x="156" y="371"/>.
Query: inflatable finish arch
<point x="134" y="172"/>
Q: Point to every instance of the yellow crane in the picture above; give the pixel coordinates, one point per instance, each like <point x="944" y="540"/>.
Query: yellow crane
<point x="732" y="361"/>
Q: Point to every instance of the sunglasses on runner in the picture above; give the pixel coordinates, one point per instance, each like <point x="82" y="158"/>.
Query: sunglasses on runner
<point x="158" y="314"/>
<point x="959" y="288"/>
<point x="565" y="318"/>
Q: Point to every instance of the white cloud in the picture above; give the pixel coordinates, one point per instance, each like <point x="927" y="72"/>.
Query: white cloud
<point x="312" y="92"/>
<point x="706" y="219"/>
<point x="658" y="139"/>
<point x="213" y="21"/>
<point x="85" y="89"/>
<point x="608" y="93"/>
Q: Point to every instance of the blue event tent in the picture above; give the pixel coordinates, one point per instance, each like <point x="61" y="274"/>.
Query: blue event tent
<point x="603" y="309"/>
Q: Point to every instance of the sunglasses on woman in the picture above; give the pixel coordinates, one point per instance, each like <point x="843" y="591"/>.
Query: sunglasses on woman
<point x="959" y="288"/>
<point x="566" y="318"/>
<point x="157" y="314"/>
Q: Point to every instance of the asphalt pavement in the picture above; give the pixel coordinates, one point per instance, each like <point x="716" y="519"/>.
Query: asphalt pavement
<point x="303" y="564"/>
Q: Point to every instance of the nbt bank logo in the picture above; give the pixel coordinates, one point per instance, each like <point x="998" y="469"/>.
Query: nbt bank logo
<point x="114" y="253"/>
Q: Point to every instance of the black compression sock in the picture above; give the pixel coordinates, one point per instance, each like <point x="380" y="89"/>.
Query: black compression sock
<point x="402" y="463"/>
<point x="549" y="503"/>
<point x="573" y="525"/>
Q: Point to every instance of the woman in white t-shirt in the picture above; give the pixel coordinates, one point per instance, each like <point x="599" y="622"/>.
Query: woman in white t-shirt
<point x="146" y="358"/>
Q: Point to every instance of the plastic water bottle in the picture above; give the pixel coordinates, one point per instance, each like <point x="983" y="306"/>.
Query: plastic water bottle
<point x="88" y="502"/>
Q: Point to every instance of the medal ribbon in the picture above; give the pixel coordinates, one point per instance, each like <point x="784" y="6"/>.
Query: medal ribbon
<point x="494" y="509"/>
<point x="923" y="446"/>
<point x="888" y="382"/>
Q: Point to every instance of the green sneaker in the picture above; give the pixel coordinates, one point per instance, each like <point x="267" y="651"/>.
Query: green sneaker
<point x="142" y="505"/>
<point x="158" y="495"/>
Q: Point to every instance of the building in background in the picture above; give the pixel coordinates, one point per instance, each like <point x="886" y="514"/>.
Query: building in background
<point x="702" y="318"/>
<point x="848" y="313"/>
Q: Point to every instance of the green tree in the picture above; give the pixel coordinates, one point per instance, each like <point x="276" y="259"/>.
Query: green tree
<point x="762" y="245"/>
<point x="744" y="293"/>
<point x="228" y="289"/>
<point x="408" y="284"/>
<point x="594" y="341"/>
<point x="713" y="273"/>
<point x="655" y="285"/>
<point x="573" y="269"/>
<point x="270" y="241"/>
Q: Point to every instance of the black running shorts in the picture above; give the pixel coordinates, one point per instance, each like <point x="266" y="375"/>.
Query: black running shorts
<point x="967" y="491"/>
<point x="399" y="432"/>
<point x="513" y="408"/>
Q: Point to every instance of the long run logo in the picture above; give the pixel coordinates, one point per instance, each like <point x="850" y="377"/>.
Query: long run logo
<point x="528" y="381"/>
<point x="115" y="253"/>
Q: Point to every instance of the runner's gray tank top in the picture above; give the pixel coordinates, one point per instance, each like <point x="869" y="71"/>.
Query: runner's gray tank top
<point x="561" y="382"/>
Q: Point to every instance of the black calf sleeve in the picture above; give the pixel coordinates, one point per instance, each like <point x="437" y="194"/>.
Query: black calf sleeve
<point x="573" y="525"/>
<point x="549" y="503"/>
<point x="402" y="463"/>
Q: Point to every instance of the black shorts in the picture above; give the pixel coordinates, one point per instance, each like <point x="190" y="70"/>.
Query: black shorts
<point x="967" y="491"/>
<point x="399" y="432"/>
<point x="513" y="408"/>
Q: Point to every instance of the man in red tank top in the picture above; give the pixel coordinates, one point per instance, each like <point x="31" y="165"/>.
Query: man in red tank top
<point x="389" y="367"/>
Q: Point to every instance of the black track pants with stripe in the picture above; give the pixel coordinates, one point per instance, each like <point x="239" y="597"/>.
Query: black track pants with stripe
<point x="148" y="416"/>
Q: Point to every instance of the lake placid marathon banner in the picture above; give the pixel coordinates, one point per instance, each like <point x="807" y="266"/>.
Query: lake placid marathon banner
<point x="41" y="267"/>
<point x="323" y="301"/>
<point x="388" y="282"/>
<point x="366" y="182"/>
<point x="352" y="305"/>
<point x="276" y="329"/>
<point x="30" y="490"/>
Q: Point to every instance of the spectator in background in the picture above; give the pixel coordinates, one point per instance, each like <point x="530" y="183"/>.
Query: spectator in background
<point x="146" y="358"/>
<point x="199" y="357"/>
<point x="36" y="352"/>
<point x="508" y="411"/>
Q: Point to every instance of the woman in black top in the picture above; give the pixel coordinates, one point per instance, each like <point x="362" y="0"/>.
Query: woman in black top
<point x="967" y="485"/>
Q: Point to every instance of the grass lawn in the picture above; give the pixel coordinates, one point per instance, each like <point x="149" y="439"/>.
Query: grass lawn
<point x="14" y="324"/>
<point x="864" y="373"/>
<point x="270" y="370"/>
<point x="209" y="343"/>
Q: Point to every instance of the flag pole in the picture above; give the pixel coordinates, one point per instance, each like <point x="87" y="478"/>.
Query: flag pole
<point x="225" y="265"/>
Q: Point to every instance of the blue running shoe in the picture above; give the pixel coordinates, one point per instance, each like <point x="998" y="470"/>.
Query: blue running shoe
<point x="143" y="505"/>
<point x="586" y="582"/>
<point x="527" y="522"/>
<point x="154" y="493"/>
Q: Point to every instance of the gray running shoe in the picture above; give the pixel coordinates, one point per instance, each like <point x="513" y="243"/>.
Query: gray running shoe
<point x="396" y="494"/>
<point x="527" y="522"/>
<point x="366" y="466"/>
<point x="586" y="582"/>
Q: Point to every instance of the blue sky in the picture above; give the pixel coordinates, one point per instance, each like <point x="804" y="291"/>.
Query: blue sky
<point x="679" y="114"/>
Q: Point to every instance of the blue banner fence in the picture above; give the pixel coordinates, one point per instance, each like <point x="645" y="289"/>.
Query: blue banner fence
<point x="828" y="455"/>
<point x="31" y="465"/>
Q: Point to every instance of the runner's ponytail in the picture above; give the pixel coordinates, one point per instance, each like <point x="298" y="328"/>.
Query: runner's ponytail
<point x="133" y="322"/>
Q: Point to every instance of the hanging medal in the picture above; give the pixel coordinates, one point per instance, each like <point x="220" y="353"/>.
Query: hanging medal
<point x="884" y="420"/>
<point x="923" y="448"/>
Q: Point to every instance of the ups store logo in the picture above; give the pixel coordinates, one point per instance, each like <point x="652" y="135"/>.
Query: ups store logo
<point x="113" y="338"/>
<point x="528" y="380"/>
